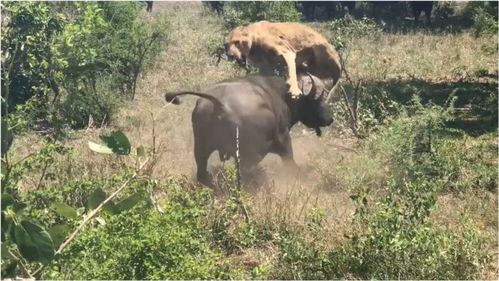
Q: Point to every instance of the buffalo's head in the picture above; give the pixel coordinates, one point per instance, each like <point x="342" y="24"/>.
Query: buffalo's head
<point x="312" y="108"/>
<point x="238" y="45"/>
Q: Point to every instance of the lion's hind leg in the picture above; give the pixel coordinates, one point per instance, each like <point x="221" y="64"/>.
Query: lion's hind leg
<point x="325" y="63"/>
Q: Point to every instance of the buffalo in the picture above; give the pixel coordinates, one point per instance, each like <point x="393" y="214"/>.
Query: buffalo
<point x="330" y="7"/>
<point x="263" y="112"/>
<point x="421" y="6"/>
<point x="217" y="6"/>
<point x="149" y="6"/>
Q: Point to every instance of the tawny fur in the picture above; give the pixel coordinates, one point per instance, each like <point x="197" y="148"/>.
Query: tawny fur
<point x="263" y="44"/>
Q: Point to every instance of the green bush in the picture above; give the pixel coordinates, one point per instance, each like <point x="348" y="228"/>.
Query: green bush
<point x="393" y="235"/>
<point x="107" y="47"/>
<point x="484" y="23"/>
<point x="30" y="65"/>
<point x="482" y="16"/>
<point x="348" y="28"/>
<point x="243" y="13"/>
<point x="417" y="145"/>
<point x="408" y="142"/>
<point x="98" y="105"/>
<point x="144" y="244"/>
<point x="398" y="241"/>
<point x="86" y="56"/>
<point x="443" y="9"/>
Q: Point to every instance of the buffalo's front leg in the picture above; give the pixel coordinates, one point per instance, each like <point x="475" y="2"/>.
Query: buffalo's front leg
<point x="285" y="150"/>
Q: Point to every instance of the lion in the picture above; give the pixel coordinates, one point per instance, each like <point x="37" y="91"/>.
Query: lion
<point x="265" y="44"/>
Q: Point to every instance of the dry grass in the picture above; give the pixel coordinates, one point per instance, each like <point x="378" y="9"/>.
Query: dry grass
<point x="425" y="56"/>
<point x="186" y="64"/>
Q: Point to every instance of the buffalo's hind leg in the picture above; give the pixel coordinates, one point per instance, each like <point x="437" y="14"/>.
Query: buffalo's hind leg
<point x="201" y="154"/>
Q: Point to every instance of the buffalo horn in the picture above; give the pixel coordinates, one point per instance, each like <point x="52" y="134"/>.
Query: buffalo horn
<point x="313" y="90"/>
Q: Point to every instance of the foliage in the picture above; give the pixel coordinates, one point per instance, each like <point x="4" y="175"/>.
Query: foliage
<point x="397" y="241"/>
<point x="484" y="23"/>
<point x="418" y="146"/>
<point x="27" y="48"/>
<point x="442" y="10"/>
<point x="12" y="173"/>
<point x="28" y="242"/>
<point x="392" y="235"/>
<point x="347" y="28"/>
<point x="146" y="244"/>
<point x="243" y="13"/>
<point x="77" y="53"/>
<point x="19" y="233"/>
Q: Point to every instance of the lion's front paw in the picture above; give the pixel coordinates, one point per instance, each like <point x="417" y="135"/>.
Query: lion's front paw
<point x="295" y="92"/>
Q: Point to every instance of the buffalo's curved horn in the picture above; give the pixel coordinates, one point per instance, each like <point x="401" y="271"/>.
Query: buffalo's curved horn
<point x="313" y="90"/>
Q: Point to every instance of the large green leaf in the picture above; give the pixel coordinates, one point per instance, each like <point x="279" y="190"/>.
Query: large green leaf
<point x="141" y="151"/>
<point x="99" y="148"/>
<point x="5" y="252"/>
<point x="96" y="198"/>
<point x="19" y="207"/>
<point x="34" y="243"/>
<point x="128" y="203"/>
<point x="64" y="210"/>
<point x="6" y="222"/>
<point x="58" y="233"/>
<point x="6" y="137"/>
<point x="110" y="207"/>
<point x="7" y="200"/>
<point x="118" y="142"/>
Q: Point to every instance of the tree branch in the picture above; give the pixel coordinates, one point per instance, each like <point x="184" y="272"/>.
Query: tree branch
<point x="21" y="263"/>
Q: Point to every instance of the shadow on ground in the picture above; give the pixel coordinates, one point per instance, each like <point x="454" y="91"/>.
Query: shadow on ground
<point x="476" y="101"/>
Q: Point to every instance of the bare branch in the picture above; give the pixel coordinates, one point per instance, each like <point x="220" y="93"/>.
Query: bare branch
<point x="21" y="263"/>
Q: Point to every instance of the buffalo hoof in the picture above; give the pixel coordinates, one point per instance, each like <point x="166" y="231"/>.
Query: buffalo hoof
<point x="206" y="180"/>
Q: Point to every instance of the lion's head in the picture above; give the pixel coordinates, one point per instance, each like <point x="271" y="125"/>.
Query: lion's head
<point x="239" y="44"/>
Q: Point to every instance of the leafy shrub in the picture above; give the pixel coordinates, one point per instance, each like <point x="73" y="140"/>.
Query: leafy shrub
<point x="146" y="244"/>
<point x="393" y="236"/>
<point x="107" y="47"/>
<point x="27" y="48"/>
<point x="467" y="163"/>
<point x="409" y="140"/>
<point x="484" y="23"/>
<point x="80" y="107"/>
<point x="482" y="17"/>
<point x="243" y="13"/>
<point x="298" y="260"/>
<point x="76" y="52"/>
<point x="397" y="241"/>
<point x="443" y="9"/>
<point x="348" y="28"/>
<point x="28" y="243"/>
<point x="416" y="145"/>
